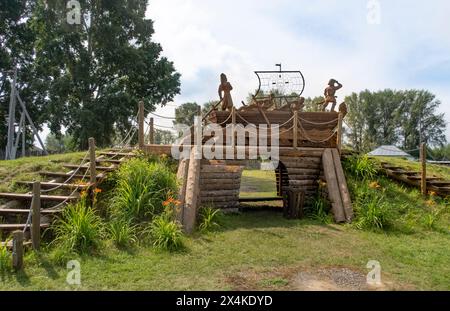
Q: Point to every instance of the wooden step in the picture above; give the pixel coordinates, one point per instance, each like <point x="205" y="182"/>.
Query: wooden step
<point x="66" y="175"/>
<point x="11" y="227"/>
<point x="121" y="154"/>
<point x="4" y="211"/>
<point x="403" y="172"/>
<point x="28" y="197"/>
<point x="260" y="199"/>
<point x="9" y="244"/>
<point x="428" y="178"/>
<point x="109" y="161"/>
<point x="97" y="168"/>
<point x="48" y="185"/>
<point x="439" y="182"/>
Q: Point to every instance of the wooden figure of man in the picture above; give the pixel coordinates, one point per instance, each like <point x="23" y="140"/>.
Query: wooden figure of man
<point x="330" y="94"/>
<point x="225" y="88"/>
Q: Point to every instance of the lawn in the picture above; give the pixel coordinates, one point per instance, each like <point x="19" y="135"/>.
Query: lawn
<point x="258" y="183"/>
<point x="258" y="250"/>
<point x="261" y="250"/>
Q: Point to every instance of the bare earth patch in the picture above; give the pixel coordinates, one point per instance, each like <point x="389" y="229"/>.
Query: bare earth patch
<point x="322" y="279"/>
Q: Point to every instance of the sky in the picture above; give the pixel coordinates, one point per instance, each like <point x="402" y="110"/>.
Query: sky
<point x="364" y="44"/>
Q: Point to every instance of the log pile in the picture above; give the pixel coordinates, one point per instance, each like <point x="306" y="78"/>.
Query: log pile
<point x="220" y="184"/>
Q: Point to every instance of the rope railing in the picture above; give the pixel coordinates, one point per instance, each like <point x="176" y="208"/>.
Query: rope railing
<point x="158" y="115"/>
<point x="304" y="133"/>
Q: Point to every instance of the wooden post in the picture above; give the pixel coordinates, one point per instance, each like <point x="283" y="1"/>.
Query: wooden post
<point x="339" y="133"/>
<point x="233" y="128"/>
<point x="36" y="216"/>
<point x="152" y="131"/>
<point x="141" y="124"/>
<point x="295" y="129"/>
<point x="92" y="161"/>
<point x="423" y="159"/>
<point x="192" y="192"/>
<point x="17" y="255"/>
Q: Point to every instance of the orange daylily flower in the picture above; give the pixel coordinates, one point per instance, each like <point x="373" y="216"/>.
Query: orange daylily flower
<point x="97" y="190"/>
<point x="374" y="185"/>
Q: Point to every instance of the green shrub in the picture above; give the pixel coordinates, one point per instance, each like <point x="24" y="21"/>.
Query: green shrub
<point x="209" y="218"/>
<point x="5" y="258"/>
<point x="166" y="233"/>
<point x="372" y="213"/>
<point x="320" y="210"/>
<point x="141" y="189"/>
<point x="361" y="166"/>
<point x="122" y="233"/>
<point x="78" y="229"/>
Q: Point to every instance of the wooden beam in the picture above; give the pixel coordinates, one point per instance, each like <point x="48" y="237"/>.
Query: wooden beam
<point x="29" y="197"/>
<point x="192" y="193"/>
<point x="92" y="162"/>
<point x="17" y="254"/>
<point x="152" y="131"/>
<point x="36" y="217"/>
<point x="46" y="185"/>
<point x="423" y="160"/>
<point x="333" y="187"/>
<point x="97" y="168"/>
<point x="10" y="227"/>
<point x="339" y="133"/>
<point x="342" y="183"/>
<point x="4" y="211"/>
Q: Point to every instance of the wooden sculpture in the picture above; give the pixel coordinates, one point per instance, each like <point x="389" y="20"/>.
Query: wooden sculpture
<point x="343" y="109"/>
<point x="330" y="94"/>
<point x="225" y="88"/>
<point x="295" y="105"/>
<point x="258" y="103"/>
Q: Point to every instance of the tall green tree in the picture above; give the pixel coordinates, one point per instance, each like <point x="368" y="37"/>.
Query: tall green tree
<point x="16" y="51"/>
<point x="185" y="113"/>
<point x="93" y="74"/>
<point x="164" y="137"/>
<point x="403" y="118"/>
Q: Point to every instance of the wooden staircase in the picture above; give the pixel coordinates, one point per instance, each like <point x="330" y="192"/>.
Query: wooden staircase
<point x="15" y="209"/>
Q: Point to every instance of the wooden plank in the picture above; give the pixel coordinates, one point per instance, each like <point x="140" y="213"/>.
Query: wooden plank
<point x="438" y="182"/>
<point x="98" y="168"/>
<point x="67" y="175"/>
<point x="333" y="187"/>
<point x="109" y="161"/>
<point x="182" y="175"/>
<point x="28" y="197"/>
<point x="302" y="182"/>
<point x="4" y="211"/>
<point x="315" y="178"/>
<point x="10" y="227"/>
<point x="342" y="183"/>
<point x="46" y="185"/>
<point x="192" y="193"/>
<point x="121" y="154"/>
<point x="36" y="216"/>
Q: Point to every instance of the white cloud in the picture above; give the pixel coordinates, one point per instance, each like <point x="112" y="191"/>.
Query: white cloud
<point x="322" y="38"/>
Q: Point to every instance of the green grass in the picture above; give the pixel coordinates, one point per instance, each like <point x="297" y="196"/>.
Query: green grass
<point x="262" y="244"/>
<point x="27" y="169"/>
<point x="262" y="250"/>
<point x="432" y="169"/>
<point x="258" y="183"/>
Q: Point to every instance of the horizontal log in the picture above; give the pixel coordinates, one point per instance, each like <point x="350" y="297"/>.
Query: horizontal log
<point x="218" y="193"/>
<point x="220" y="186"/>
<point x="48" y="185"/>
<point x="302" y="159"/>
<point x="302" y="171"/>
<point x="221" y="169"/>
<point x="7" y="211"/>
<point x="97" y="168"/>
<point x="303" y="182"/>
<point x="206" y="175"/>
<point x="219" y="199"/>
<point x="220" y="181"/>
<point x="28" y="197"/>
<point x="10" y="227"/>
<point x="303" y="177"/>
<point x="221" y="205"/>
